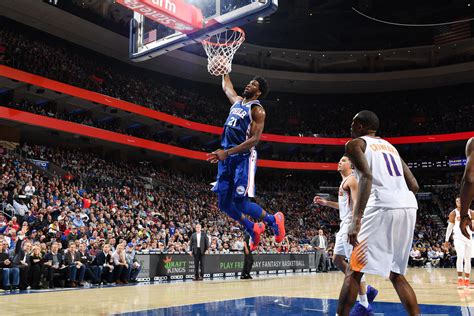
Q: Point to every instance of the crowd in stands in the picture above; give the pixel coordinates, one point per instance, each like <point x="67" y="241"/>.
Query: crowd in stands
<point x="322" y="115"/>
<point x="50" y="109"/>
<point x="429" y="247"/>
<point x="87" y="225"/>
<point x="266" y="150"/>
<point x="108" y="208"/>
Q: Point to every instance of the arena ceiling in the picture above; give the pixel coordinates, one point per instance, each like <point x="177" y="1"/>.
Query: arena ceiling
<point x="321" y="25"/>
<point x="289" y="70"/>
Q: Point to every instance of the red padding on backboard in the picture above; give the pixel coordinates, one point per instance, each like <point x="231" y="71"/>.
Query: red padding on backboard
<point x="175" y="14"/>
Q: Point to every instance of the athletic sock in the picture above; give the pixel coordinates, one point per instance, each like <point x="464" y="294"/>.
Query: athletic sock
<point x="363" y="300"/>
<point x="269" y="218"/>
<point x="253" y="210"/>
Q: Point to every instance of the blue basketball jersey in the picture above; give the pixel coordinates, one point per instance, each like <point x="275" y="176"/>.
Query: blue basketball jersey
<point x="237" y="126"/>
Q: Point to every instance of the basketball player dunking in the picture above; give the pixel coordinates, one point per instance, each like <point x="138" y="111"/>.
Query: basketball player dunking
<point x="383" y="224"/>
<point x="462" y="245"/>
<point x="237" y="160"/>
<point x="342" y="249"/>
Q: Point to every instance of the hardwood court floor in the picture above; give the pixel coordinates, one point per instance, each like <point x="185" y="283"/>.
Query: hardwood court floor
<point x="433" y="286"/>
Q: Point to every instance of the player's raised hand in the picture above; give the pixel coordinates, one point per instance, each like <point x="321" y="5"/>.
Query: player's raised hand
<point x="319" y="200"/>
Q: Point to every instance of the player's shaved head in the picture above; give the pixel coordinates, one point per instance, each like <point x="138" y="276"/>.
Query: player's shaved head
<point x="364" y="123"/>
<point x="368" y="119"/>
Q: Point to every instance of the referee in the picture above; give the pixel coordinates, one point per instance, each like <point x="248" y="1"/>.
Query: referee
<point x="248" y="258"/>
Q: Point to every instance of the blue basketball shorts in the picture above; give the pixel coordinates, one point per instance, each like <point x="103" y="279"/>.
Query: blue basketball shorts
<point x="236" y="175"/>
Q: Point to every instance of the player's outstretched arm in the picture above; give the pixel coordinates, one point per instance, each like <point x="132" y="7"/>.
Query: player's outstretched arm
<point x="319" y="200"/>
<point x="467" y="187"/>
<point x="355" y="150"/>
<point x="410" y="178"/>
<point x="229" y="91"/>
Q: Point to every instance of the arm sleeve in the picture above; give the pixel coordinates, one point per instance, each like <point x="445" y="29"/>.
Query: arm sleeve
<point x="449" y="231"/>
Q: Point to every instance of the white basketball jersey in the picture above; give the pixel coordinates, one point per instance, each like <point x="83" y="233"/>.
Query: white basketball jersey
<point x="389" y="189"/>
<point x="457" y="229"/>
<point x="345" y="203"/>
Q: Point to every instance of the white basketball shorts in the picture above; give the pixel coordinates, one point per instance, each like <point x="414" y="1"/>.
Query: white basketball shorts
<point x="342" y="247"/>
<point x="385" y="240"/>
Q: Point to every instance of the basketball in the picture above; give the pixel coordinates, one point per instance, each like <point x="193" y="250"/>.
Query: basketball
<point x="220" y="49"/>
<point x="219" y="65"/>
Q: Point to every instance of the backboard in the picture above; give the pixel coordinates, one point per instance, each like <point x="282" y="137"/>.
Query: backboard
<point x="204" y="18"/>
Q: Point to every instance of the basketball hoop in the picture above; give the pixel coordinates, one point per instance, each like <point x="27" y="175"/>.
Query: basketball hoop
<point x="220" y="50"/>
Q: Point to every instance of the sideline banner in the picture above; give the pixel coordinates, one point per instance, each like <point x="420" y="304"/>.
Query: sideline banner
<point x="171" y="265"/>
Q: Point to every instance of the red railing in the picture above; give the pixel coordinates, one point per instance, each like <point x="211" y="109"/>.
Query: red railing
<point x="97" y="133"/>
<point x="144" y="111"/>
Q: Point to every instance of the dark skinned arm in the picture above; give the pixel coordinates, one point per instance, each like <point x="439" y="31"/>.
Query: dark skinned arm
<point x="229" y="91"/>
<point x="410" y="178"/>
<point x="256" y="129"/>
<point x="467" y="188"/>
<point x="355" y="150"/>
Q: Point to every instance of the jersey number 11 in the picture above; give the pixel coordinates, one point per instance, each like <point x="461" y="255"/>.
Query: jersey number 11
<point x="391" y="163"/>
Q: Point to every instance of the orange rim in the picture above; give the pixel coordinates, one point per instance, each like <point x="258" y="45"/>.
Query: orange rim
<point x="239" y="41"/>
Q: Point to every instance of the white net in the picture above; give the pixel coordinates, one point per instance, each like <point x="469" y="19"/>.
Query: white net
<point x="220" y="50"/>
